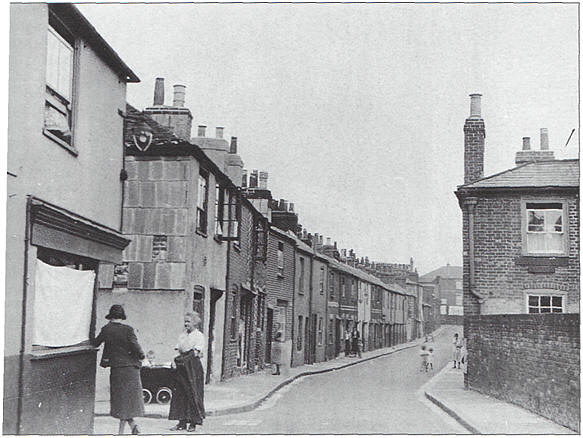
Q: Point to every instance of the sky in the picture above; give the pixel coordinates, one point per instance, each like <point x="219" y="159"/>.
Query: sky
<point x="357" y="110"/>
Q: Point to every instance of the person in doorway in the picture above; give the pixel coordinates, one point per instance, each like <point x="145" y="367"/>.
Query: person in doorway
<point x="187" y="404"/>
<point x="356" y="341"/>
<point x="456" y="351"/>
<point x="276" y="348"/>
<point x="123" y="355"/>
<point x="347" y="338"/>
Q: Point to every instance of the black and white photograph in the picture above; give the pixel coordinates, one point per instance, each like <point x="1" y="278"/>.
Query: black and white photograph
<point x="286" y="218"/>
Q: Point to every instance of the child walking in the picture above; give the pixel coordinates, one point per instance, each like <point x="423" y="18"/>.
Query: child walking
<point x="430" y="359"/>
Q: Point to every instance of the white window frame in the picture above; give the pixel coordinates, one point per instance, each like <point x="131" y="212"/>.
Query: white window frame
<point x="60" y="98"/>
<point x="525" y="232"/>
<point x="546" y="293"/>
<point x="280" y="262"/>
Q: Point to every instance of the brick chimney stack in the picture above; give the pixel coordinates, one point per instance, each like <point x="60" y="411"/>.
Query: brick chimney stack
<point x="474" y="135"/>
<point x="176" y="117"/>
<point x="526" y="155"/>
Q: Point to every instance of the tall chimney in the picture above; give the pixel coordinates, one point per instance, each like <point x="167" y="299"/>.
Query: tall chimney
<point x="159" y="92"/>
<point x="233" y="145"/>
<point x="474" y="135"/>
<point x="219" y="132"/>
<point x="179" y="95"/>
<point x="328" y="241"/>
<point x="201" y="131"/>
<point x="544" y="139"/>
<point x="526" y="143"/>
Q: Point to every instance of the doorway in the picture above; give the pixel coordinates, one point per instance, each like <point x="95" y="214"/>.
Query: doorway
<point x="215" y="295"/>
<point x="268" y="335"/>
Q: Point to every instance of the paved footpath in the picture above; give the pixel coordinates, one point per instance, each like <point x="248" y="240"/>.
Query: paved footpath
<point x="482" y="414"/>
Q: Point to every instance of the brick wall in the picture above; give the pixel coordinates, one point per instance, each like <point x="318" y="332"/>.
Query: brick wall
<point x="531" y="360"/>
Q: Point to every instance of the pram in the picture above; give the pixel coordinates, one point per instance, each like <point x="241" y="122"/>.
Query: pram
<point x="157" y="381"/>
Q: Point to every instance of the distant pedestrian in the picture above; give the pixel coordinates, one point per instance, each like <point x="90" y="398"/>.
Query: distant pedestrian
<point x="356" y="341"/>
<point x="430" y="359"/>
<point x="187" y="404"/>
<point x="123" y="355"/>
<point x="276" y="347"/>
<point x="347" y="338"/>
<point x="464" y="356"/>
<point x="456" y="351"/>
<point x="423" y="354"/>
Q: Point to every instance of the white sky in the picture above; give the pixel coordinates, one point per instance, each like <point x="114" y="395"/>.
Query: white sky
<point x="356" y="110"/>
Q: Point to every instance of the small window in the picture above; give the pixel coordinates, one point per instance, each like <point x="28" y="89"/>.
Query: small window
<point x="545" y="228"/>
<point x="280" y="258"/>
<point x="260" y="239"/>
<point x="321" y="281"/>
<point x="202" y="203"/>
<point x="342" y="287"/>
<point x="545" y="304"/>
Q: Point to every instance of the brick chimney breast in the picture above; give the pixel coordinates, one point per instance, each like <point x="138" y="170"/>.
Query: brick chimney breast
<point x="474" y="136"/>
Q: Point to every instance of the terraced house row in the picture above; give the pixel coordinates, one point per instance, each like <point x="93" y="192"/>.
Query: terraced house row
<point x="143" y="214"/>
<point x="206" y="235"/>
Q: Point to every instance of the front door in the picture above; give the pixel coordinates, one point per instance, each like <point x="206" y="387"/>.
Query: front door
<point x="215" y="295"/>
<point x="268" y="335"/>
<point x="337" y="338"/>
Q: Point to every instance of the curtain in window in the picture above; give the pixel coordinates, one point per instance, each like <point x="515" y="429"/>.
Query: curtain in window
<point x="62" y="306"/>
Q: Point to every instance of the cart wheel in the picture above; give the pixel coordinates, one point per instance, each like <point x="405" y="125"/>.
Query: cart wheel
<point x="164" y="395"/>
<point x="147" y="395"/>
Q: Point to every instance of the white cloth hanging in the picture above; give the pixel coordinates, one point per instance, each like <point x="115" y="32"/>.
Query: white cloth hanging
<point x="62" y="305"/>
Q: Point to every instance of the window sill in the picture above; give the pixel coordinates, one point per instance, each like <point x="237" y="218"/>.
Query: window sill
<point x="218" y="238"/>
<point x="280" y="275"/>
<point x="70" y="148"/>
<point x="201" y="233"/>
<point x="237" y="247"/>
<point x="543" y="259"/>
<point x="62" y="352"/>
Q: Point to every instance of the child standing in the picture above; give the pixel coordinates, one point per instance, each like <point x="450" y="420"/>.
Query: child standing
<point x="424" y="354"/>
<point x="430" y="359"/>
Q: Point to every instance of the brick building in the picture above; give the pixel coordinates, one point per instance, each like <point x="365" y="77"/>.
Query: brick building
<point x="447" y="283"/>
<point x="520" y="274"/>
<point x="67" y="91"/>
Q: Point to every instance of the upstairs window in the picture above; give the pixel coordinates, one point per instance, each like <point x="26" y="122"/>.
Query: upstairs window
<point x="261" y="231"/>
<point x="321" y="281"/>
<point x="202" y="203"/>
<point x="302" y="274"/>
<point x="219" y="210"/>
<point x="58" y="124"/>
<point x="331" y="285"/>
<point x="229" y="215"/>
<point x="280" y="258"/>
<point x="342" y="287"/>
<point x="545" y="228"/>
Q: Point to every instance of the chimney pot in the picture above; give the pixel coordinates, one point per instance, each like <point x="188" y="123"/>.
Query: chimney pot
<point x="159" y="92"/>
<point x="253" y="179"/>
<point x="233" y="149"/>
<point x="335" y="245"/>
<point x="321" y="240"/>
<point x="328" y="241"/>
<point x="525" y="146"/>
<point x="244" y="179"/>
<point x="263" y="180"/>
<point x="475" y="106"/>
<point x="544" y="139"/>
<point x="179" y="95"/>
<point x="219" y="132"/>
<point x="291" y="207"/>
<point x="201" y="130"/>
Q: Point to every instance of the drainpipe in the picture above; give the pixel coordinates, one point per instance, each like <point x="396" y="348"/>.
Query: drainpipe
<point x="470" y="204"/>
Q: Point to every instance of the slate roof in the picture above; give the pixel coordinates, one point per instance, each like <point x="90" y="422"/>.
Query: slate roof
<point x="448" y="271"/>
<point x="537" y="174"/>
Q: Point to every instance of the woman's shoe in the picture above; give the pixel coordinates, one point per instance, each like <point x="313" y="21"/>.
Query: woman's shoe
<point x="191" y="428"/>
<point x="179" y="426"/>
<point x="135" y="430"/>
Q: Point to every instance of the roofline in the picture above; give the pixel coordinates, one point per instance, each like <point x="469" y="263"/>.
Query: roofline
<point x="69" y="11"/>
<point x="281" y="233"/>
<point x="505" y="189"/>
<point x="466" y="185"/>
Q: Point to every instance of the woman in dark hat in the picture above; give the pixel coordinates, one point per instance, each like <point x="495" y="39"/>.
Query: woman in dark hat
<point x="123" y="355"/>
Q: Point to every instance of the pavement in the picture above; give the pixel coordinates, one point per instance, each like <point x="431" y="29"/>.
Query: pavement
<point x="245" y="393"/>
<point x="482" y="414"/>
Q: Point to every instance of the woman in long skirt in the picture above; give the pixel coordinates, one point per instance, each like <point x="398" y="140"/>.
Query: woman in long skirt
<point x="123" y="355"/>
<point x="187" y="405"/>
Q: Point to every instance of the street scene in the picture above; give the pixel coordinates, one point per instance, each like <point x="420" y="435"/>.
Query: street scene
<point x="288" y="219"/>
